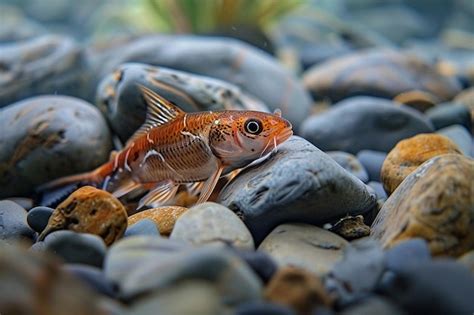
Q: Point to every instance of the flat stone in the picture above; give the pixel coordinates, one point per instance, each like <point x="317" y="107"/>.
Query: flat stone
<point x="350" y="163"/>
<point x="377" y="72"/>
<point x="363" y="123"/>
<point x="13" y="224"/>
<point x="210" y="223"/>
<point x="231" y="277"/>
<point x="447" y="114"/>
<point x="76" y="248"/>
<point x="47" y="137"/>
<point x="410" y="153"/>
<point x="299" y="183"/>
<point x="298" y="289"/>
<point x="90" y="210"/>
<point x="372" y="162"/>
<point x="435" y="203"/>
<point x="164" y="217"/>
<point x="304" y="246"/>
<point x="142" y="227"/>
<point x="38" y="218"/>
<point x="459" y="135"/>
<point x="351" y="228"/>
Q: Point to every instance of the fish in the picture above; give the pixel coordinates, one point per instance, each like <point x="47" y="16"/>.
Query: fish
<point x="174" y="148"/>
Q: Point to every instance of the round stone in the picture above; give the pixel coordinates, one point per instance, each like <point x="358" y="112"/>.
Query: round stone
<point x="299" y="183"/>
<point x="13" y="224"/>
<point x="434" y="203"/>
<point x="47" y="137"/>
<point x="372" y="162"/>
<point x="410" y="153"/>
<point x="90" y="210"/>
<point x="210" y="223"/>
<point x="38" y="218"/>
<point x="411" y="251"/>
<point x="304" y="246"/>
<point x="447" y="114"/>
<point x="350" y="163"/>
<point x="260" y="262"/>
<point x="163" y="217"/>
<point x="364" y="123"/>
<point x="461" y="137"/>
<point x="142" y="227"/>
<point x="262" y="308"/>
<point x="76" y="248"/>
<point x="93" y="277"/>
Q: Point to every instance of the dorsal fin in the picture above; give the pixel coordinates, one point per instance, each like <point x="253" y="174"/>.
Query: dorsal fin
<point x="159" y="112"/>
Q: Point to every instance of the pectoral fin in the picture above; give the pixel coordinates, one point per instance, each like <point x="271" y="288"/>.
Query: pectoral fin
<point x="158" y="196"/>
<point x="209" y="185"/>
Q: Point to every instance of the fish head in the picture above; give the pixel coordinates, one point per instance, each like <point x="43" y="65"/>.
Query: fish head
<point x="238" y="138"/>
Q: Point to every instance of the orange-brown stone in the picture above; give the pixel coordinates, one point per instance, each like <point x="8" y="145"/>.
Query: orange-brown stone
<point x="298" y="289"/>
<point x="90" y="210"/>
<point x="410" y="153"/>
<point x="164" y="217"/>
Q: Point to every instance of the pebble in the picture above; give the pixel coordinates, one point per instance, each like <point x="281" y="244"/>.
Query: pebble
<point x="46" y="64"/>
<point x="263" y="308"/>
<point x="76" y="248"/>
<point x="33" y="283"/>
<point x="363" y="123"/>
<point x="46" y="137"/>
<point x="375" y="305"/>
<point x="379" y="190"/>
<point x="298" y="289"/>
<point x="304" y="246"/>
<point x="466" y="98"/>
<point x="222" y="58"/>
<point x="377" y="72"/>
<point x="234" y="281"/>
<point x="299" y="183"/>
<point x="38" y="218"/>
<point x="468" y="260"/>
<point x="350" y="163"/>
<point x="419" y="100"/>
<point x="372" y="162"/>
<point x="447" y="114"/>
<point x="93" y="277"/>
<point x="121" y="101"/>
<point x="433" y="287"/>
<point x="459" y="135"/>
<point x="126" y="254"/>
<point x="163" y="217"/>
<point x="412" y="251"/>
<point x="90" y="210"/>
<point x="212" y="223"/>
<point x="410" y="153"/>
<point x="261" y="263"/>
<point x="13" y="224"/>
<point x="434" y="203"/>
<point x="351" y="228"/>
<point x="142" y="227"/>
<point x="184" y="298"/>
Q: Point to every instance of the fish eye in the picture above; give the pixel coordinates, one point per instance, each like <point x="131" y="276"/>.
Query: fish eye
<point x="253" y="126"/>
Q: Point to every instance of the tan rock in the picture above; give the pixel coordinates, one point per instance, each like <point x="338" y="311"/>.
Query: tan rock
<point x="436" y="203"/>
<point x="410" y="153"/>
<point x="164" y="217"/>
<point x="419" y="100"/>
<point x="89" y="210"/>
<point x="298" y="289"/>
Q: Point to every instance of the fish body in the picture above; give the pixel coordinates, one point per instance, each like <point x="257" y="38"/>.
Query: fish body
<point x="174" y="147"/>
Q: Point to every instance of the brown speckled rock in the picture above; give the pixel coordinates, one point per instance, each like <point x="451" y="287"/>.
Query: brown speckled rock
<point x="351" y="228"/>
<point x="436" y="203"/>
<point x="90" y="210"/>
<point x="410" y="153"/>
<point x="298" y="289"/>
<point x="164" y="217"/>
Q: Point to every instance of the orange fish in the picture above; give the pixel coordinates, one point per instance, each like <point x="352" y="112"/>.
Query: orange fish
<point x="174" y="147"/>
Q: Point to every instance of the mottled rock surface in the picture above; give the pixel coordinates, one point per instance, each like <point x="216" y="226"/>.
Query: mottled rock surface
<point x="164" y="217"/>
<point x="351" y="228"/>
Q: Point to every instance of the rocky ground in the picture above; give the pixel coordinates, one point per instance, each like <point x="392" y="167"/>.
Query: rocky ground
<point x="368" y="209"/>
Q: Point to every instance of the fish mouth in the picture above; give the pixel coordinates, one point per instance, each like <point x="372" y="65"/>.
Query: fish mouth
<point x="284" y="135"/>
<point x="276" y="140"/>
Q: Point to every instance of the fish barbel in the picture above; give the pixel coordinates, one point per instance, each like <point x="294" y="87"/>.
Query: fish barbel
<point x="174" y="147"/>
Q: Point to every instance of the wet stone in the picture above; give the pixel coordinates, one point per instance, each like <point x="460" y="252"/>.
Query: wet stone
<point x="410" y="153"/>
<point x="93" y="277"/>
<point x="42" y="65"/>
<point x="76" y="248"/>
<point x="222" y="58"/>
<point x="299" y="183"/>
<point x="351" y="228"/>
<point x="13" y="224"/>
<point x="90" y="210"/>
<point x="447" y="114"/>
<point x="142" y="227"/>
<point x="372" y="162"/>
<point x="38" y="218"/>
<point x="435" y="203"/>
<point x="298" y="289"/>
<point x="377" y="72"/>
<point x="163" y="217"/>
<point x="121" y="101"/>
<point x="350" y="163"/>
<point x="370" y="123"/>
<point x="36" y="131"/>
<point x="459" y="135"/>
<point x="304" y="246"/>
<point x="211" y="223"/>
<point x="411" y="251"/>
<point x="234" y="281"/>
